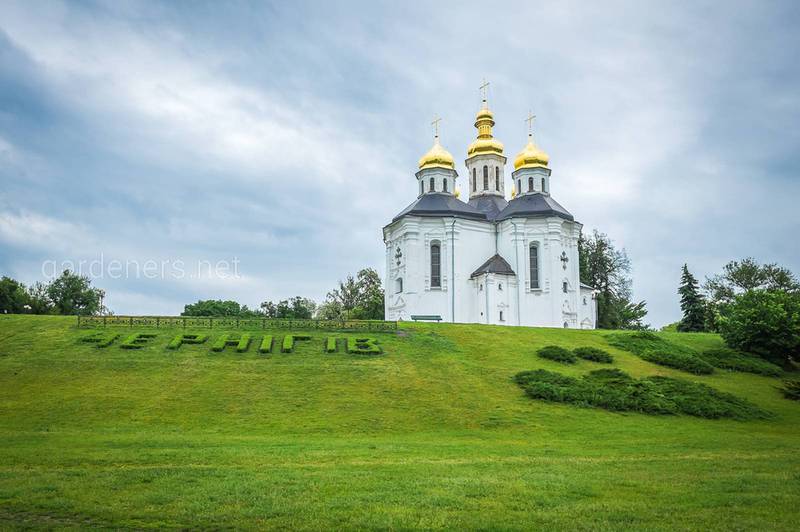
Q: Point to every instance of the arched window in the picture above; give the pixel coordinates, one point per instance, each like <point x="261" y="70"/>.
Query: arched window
<point x="565" y="287"/>
<point x="543" y="187"/>
<point x="485" y="178"/>
<point x="534" y="266"/>
<point x="421" y="187"/>
<point x="431" y="186"/>
<point x="530" y="184"/>
<point x="474" y="181"/>
<point x="500" y="286"/>
<point x="497" y="183"/>
<point x="436" y="265"/>
<point x="501" y="316"/>
<point x="519" y="186"/>
<point x="444" y="185"/>
<point x="566" y="325"/>
<point x="398" y="285"/>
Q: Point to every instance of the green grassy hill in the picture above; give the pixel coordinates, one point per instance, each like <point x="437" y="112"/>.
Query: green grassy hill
<point x="433" y="433"/>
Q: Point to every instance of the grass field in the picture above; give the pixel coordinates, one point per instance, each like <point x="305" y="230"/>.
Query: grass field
<point x="431" y="434"/>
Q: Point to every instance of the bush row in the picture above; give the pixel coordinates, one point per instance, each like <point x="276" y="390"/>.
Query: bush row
<point x="615" y="390"/>
<point x="565" y="356"/>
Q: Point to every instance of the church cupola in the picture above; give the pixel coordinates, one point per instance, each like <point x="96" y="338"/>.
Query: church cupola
<point x="531" y="174"/>
<point x="437" y="168"/>
<point x="485" y="160"/>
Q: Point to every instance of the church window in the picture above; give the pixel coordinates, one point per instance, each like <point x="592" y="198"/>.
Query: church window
<point x="497" y="178"/>
<point x="519" y="186"/>
<point x="444" y="185"/>
<point x="421" y="188"/>
<point x="530" y="184"/>
<point x="436" y="266"/>
<point x="565" y="287"/>
<point x="431" y="186"/>
<point x="485" y="178"/>
<point x="474" y="181"/>
<point x="501" y="316"/>
<point x="543" y="187"/>
<point x="566" y="325"/>
<point x="398" y="285"/>
<point x="584" y="301"/>
<point x="500" y="286"/>
<point x="534" y="266"/>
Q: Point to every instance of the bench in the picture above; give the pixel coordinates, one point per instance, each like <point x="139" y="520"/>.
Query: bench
<point x="424" y="317"/>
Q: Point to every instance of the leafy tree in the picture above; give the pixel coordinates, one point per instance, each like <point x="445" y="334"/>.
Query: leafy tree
<point x="218" y="307"/>
<point x="346" y="295"/>
<point x="13" y="296"/>
<point x="38" y="299"/>
<point x="294" y="308"/>
<point x="692" y="304"/>
<point x="370" y="302"/>
<point x="71" y="293"/>
<point x="764" y="322"/>
<point x="738" y="277"/>
<point x="607" y="269"/>
<point x="329" y="310"/>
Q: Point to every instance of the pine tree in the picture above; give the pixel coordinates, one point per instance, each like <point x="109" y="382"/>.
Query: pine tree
<point x="692" y="304"/>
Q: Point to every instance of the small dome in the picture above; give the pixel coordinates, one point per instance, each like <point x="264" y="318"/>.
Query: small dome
<point x="481" y="146"/>
<point x="437" y="157"/>
<point x="485" y="143"/>
<point x="531" y="156"/>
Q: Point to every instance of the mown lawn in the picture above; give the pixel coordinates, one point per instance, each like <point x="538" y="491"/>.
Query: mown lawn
<point x="431" y="434"/>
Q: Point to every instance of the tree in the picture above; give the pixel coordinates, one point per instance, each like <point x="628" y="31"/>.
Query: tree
<point x="218" y="307"/>
<point x="692" y="304"/>
<point x="329" y="310"/>
<point x="294" y="308"/>
<point x="370" y="302"/>
<point x="764" y="322"/>
<point x="738" y="277"/>
<point x="71" y="293"/>
<point x="13" y="296"/>
<point x="607" y="269"/>
<point x="38" y="299"/>
<point x="346" y="295"/>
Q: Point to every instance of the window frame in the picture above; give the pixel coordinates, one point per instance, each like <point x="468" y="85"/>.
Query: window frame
<point x="533" y="266"/>
<point x="435" y="267"/>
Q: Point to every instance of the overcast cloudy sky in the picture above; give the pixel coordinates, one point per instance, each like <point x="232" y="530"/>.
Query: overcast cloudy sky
<point x="286" y="135"/>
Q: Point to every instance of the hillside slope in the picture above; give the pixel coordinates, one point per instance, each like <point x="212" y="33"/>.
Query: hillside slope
<point x="433" y="433"/>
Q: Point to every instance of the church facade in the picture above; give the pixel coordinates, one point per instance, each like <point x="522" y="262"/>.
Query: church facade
<point x="489" y="260"/>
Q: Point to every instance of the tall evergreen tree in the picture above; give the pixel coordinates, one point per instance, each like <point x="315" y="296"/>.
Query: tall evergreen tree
<point x="692" y="304"/>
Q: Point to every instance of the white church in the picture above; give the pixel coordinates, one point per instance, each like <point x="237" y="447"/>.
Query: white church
<point x="491" y="260"/>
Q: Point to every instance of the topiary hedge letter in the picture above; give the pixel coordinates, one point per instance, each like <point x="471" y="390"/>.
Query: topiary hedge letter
<point x="181" y="339"/>
<point x="241" y="343"/>
<point x="289" y="340"/>
<point x="101" y="339"/>
<point x="362" y="346"/>
<point x="266" y="344"/>
<point x="136" y="340"/>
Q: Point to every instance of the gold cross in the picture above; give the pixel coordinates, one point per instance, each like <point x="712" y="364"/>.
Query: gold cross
<point x="483" y="88"/>
<point x="435" y="125"/>
<point x="529" y="120"/>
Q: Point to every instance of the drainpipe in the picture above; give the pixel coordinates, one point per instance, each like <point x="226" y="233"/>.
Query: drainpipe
<point x="453" y="272"/>
<point x="516" y="265"/>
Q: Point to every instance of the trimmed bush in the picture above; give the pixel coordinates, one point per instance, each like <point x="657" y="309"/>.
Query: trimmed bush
<point x="330" y="344"/>
<point x="734" y="360"/>
<point x="289" y="340"/>
<point x="136" y="340"/>
<point x="241" y="343"/>
<point x="615" y="390"/>
<point x="690" y="363"/>
<point x="191" y="338"/>
<point x="791" y="390"/>
<point x="101" y="339"/>
<point x="557" y="354"/>
<point x="266" y="344"/>
<point x="594" y="354"/>
<point x="363" y="346"/>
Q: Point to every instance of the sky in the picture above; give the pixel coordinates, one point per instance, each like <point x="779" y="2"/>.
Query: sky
<point x="253" y="151"/>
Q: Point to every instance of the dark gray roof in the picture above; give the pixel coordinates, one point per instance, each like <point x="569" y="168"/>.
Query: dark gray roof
<point x="490" y="205"/>
<point x="533" y="205"/>
<point x="440" y="204"/>
<point x="496" y="264"/>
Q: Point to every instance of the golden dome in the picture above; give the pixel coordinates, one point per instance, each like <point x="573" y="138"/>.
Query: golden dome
<point x="485" y="143"/>
<point x="437" y="157"/>
<point x="531" y="156"/>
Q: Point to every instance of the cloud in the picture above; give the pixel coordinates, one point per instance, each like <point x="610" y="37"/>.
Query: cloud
<point x="287" y="135"/>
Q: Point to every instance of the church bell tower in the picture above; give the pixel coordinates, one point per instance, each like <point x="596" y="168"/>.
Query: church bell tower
<point x="485" y="160"/>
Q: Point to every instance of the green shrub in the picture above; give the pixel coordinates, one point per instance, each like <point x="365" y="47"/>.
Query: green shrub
<point x="791" y="390"/>
<point x="613" y="389"/>
<point x="640" y="342"/>
<point x="681" y="361"/>
<point x="266" y="344"/>
<point x="594" y="354"/>
<point x="136" y="340"/>
<point x="241" y="343"/>
<point x="330" y="344"/>
<point x="289" y="340"/>
<point x="726" y="358"/>
<point x="101" y="339"/>
<point x="558" y="354"/>
<point x="187" y="338"/>
<point x="363" y="346"/>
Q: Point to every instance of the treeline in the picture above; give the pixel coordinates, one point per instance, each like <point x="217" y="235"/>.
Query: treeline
<point x="360" y="297"/>
<point x="68" y="294"/>
<point x="755" y="307"/>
